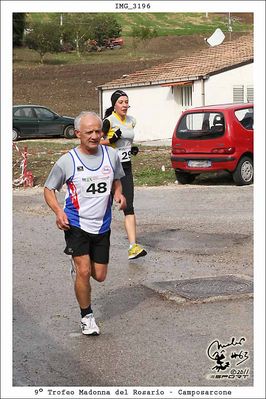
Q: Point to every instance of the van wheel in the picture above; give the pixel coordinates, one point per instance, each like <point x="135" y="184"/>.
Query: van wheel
<point x="184" y="178"/>
<point x="243" y="174"/>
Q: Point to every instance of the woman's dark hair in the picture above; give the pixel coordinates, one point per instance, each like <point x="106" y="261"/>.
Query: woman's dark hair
<point x="114" y="97"/>
<point x="108" y="112"/>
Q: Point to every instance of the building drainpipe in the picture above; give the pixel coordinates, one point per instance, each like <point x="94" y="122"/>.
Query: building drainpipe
<point x="100" y="98"/>
<point x="202" y="91"/>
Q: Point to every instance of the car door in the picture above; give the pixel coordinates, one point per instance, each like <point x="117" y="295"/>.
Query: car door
<point x="49" y="124"/>
<point x="25" y="120"/>
<point x="243" y="130"/>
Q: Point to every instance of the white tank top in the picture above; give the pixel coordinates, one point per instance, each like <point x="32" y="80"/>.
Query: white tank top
<point x="88" y="199"/>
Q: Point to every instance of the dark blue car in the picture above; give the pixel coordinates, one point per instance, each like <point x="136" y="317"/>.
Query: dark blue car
<point x="32" y="121"/>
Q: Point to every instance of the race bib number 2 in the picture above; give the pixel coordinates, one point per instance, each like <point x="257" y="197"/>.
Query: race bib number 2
<point x="124" y="154"/>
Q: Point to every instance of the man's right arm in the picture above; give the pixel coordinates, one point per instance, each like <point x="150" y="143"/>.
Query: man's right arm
<point x="51" y="200"/>
<point x="56" y="179"/>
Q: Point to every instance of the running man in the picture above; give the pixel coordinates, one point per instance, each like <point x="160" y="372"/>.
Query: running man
<point x="92" y="175"/>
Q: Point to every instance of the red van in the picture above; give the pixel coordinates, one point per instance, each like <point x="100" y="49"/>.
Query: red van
<point x="212" y="138"/>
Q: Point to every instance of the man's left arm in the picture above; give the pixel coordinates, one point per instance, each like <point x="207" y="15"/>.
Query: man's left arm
<point x="118" y="196"/>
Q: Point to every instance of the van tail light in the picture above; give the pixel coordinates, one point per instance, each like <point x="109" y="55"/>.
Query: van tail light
<point x="229" y="150"/>
<point x="179" y="150"/>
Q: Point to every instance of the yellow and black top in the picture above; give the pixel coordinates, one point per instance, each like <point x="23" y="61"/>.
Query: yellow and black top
<point x="123" y="144"/>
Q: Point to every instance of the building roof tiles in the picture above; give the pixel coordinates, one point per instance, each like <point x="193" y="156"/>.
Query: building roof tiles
<point x="199" y="64"/>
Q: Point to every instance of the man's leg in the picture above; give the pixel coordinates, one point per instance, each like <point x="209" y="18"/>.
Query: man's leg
<point x="82" y="282"/>
<point x="98" y="271"/>
<point x="83" y="267"/>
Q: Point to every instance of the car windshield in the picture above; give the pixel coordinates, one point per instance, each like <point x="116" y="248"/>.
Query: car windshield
<point x="201" y="126"/>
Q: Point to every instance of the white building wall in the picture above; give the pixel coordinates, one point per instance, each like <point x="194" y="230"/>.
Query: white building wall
<point x="219" y="88"/>
<point x="157" y="108"/>
<point x="153" y="107"/>
<point x="198" y="93"/>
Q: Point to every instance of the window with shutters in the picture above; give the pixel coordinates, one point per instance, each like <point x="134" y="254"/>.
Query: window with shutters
<point x="243" y="94"/>
<point x="186" y="95"/>
<point x="238" y="94"/>
<point x="250" y="94"/>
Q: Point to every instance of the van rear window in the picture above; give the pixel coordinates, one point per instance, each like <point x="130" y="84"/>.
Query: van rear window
<point x="201" y="126"/>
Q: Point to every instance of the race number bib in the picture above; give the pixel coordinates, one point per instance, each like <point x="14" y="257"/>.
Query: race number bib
<point x="124" y="153"/>
<point x="92" y="187"/>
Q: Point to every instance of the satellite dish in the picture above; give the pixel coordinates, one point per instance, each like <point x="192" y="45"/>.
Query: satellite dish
<point x="216" y="38"/>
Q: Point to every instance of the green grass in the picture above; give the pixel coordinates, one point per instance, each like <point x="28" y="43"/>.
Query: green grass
<point x="165" y="23"/>
<point x="147" y="165"/>
<point x="152" y="176"/>
<point x="42" y="154"/>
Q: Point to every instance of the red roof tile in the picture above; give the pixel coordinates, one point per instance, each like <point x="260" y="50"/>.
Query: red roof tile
<point x="202" y="63"/>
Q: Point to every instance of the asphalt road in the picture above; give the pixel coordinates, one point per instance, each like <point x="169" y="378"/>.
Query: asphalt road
<point x="146" y="338"/>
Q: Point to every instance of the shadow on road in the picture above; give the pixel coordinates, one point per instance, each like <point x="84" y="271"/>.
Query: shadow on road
<point x="41" y="361"/>
<point x="214" y="179"/>
<point x="122" y="300"/>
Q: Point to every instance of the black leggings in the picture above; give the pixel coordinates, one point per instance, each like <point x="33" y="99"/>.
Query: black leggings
<point x="128" y="187"/>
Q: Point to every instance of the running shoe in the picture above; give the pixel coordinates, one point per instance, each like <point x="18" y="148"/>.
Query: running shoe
<point x="136" y="251"/>
<point x="88" y="325"/>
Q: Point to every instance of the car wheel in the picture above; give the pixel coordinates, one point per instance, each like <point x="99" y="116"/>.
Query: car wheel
<point x="15" y="135"/>
<point x="184" y="178"/>
<point x="243" y="174"/>
<point x="69" y="132"/>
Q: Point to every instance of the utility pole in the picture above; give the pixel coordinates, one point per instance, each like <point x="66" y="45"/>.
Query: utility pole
<point x="230" y="29"/>
<point x="61" y="24"/>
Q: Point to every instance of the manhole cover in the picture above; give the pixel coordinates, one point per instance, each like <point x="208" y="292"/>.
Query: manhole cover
<point x="198" y="289"/>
